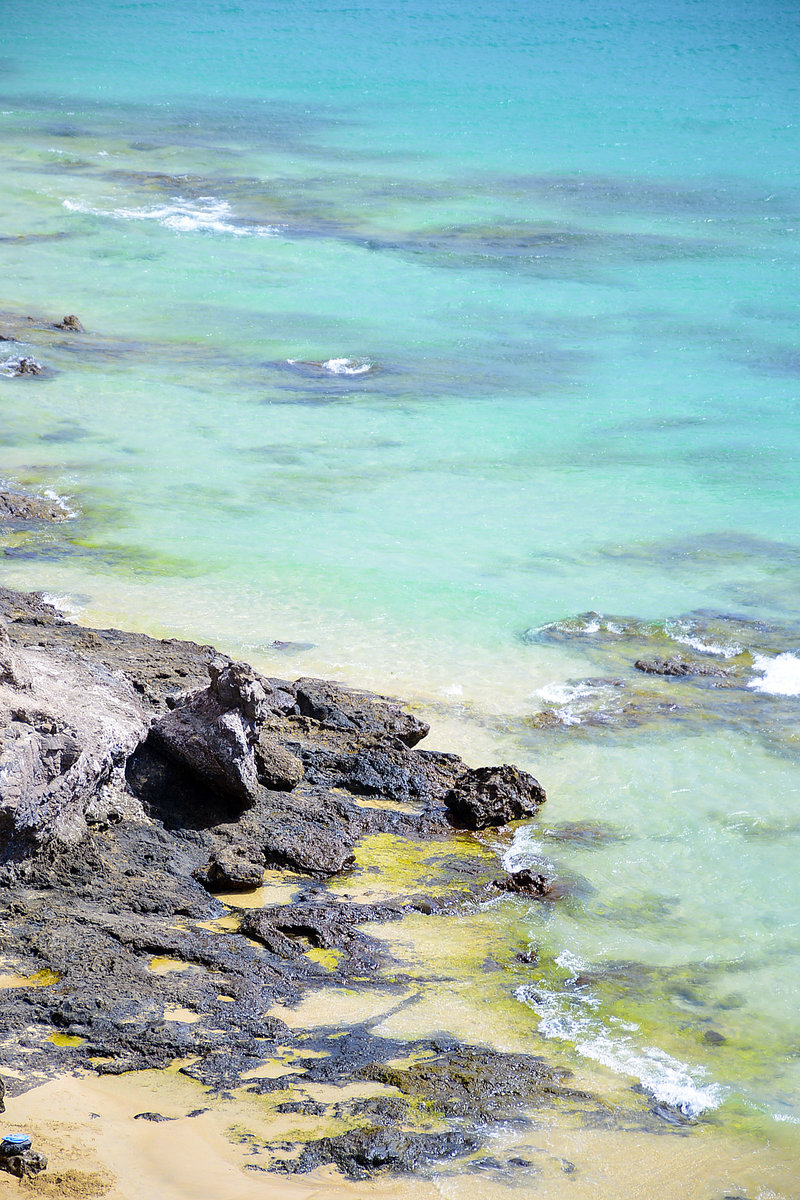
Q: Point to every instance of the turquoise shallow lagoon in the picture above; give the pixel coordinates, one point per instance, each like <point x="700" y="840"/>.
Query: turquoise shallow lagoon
<point x="412" y="335"/>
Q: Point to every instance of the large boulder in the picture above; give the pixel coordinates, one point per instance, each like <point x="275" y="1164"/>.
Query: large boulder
<point x="213" y="731"/>
<point x="486" y="796"/>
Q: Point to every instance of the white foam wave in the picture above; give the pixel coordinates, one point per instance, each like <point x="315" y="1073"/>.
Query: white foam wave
<point x="347" y="366"/>
<point x="573" y="702"/>
<point x="684" y="634"/>
<point x="206" y="214"/>
<point x="564" y="1017"/>
<point x="62" y="502"/>
<point x="523" y="852"/>
<point x="64" y="604"/>
<point x="780" y="676"/>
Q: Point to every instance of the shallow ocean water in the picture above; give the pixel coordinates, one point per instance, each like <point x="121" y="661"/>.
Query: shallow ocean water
<point x="410" y="332"/>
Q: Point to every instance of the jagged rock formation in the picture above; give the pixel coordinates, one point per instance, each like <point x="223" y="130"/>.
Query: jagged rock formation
<point x="141" y="778"/>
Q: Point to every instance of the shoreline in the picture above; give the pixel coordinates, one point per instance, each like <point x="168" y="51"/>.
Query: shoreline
<point x="323" y="952"/>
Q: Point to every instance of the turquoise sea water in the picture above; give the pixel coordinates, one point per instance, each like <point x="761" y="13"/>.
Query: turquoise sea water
<point x="415" y="332"/>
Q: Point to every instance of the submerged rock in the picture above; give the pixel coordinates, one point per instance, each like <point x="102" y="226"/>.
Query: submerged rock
<point x="679" y="666"/>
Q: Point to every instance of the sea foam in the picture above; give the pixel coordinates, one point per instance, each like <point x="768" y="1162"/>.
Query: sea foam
<point x="780" y="676"/>
<point x="206" y="214"/>
<point x="572" y="1018"/>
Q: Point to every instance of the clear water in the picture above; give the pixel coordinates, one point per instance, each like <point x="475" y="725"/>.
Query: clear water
<point x="413" y="328"/>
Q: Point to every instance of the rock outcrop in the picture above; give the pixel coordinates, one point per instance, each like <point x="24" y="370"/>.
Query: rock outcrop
<point x="139" y="779"/>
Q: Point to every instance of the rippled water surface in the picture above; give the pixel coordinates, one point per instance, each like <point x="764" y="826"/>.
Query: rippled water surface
<point x="452" y="350"/>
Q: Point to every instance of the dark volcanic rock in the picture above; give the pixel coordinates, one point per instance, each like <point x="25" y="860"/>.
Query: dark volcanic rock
<point x="213" y="732"/>
<point x="361" y="1153"/>
<point x="138" y="777"/>
<point x="679" y="667"/>
<point x="231" y="869"/>
<point x="16" y="507"/>
<point x="476" y="1082"/>
<point x="276" y="767"/>
<point x="493" y="796"/>
<point x="525" y="883"/>
<point x="344" y="708"/>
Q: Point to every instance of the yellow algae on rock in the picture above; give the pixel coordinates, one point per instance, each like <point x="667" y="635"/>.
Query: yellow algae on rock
<point x="43" y="978"/>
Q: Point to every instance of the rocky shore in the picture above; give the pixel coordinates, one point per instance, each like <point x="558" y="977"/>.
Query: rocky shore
<point x="139" y="780"/>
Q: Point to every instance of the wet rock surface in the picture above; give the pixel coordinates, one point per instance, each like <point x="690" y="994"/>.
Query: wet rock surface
<point x="13" y="367"/>
<point x="493" y="796"/>
<point x="16" y="507"/>
<point x="138" y="780"/>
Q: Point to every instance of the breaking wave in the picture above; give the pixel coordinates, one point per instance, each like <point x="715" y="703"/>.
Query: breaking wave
<point x="572" y="1017"/>
<point x="780" y="676"/>
<point x="206" y="214"/>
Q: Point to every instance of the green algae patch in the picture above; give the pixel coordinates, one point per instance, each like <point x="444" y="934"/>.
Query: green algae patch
<point x="66" y="1039"/>
<point x="387" y="865"/>
<point x="476" y="1082"/>
<point x="330" y="959"/>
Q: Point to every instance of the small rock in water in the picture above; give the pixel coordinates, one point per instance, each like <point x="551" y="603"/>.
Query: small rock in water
<point x="16" y="507"/>
<point x="14" y="367"/>
<point x="525" y="883"/>
<point x="70" y="322"/>
<point x="529" y="957"/>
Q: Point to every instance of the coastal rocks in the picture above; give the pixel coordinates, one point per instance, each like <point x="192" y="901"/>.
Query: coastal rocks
<point x="231" y="869"/>
<point x="70" y="323"/>
<point x="15" y="507"/>
<point x="525" y="883"/>
<point x="362" y="1153"/>
<point x="213" y="732"/>
<point x="360" y="712"/>
<point x="490" y="796"/>
<point x="141" y="781"/>
<point x="475" y="1082"/>
<point x="679" y="667"/>
<point x="66" y="732"/>
<point x="276" y="767"/>
<point x="328" y="924"/>
<point x="12" y="367"/>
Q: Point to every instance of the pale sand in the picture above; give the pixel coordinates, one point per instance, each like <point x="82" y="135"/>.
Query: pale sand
<point x="196" y="1159"/>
